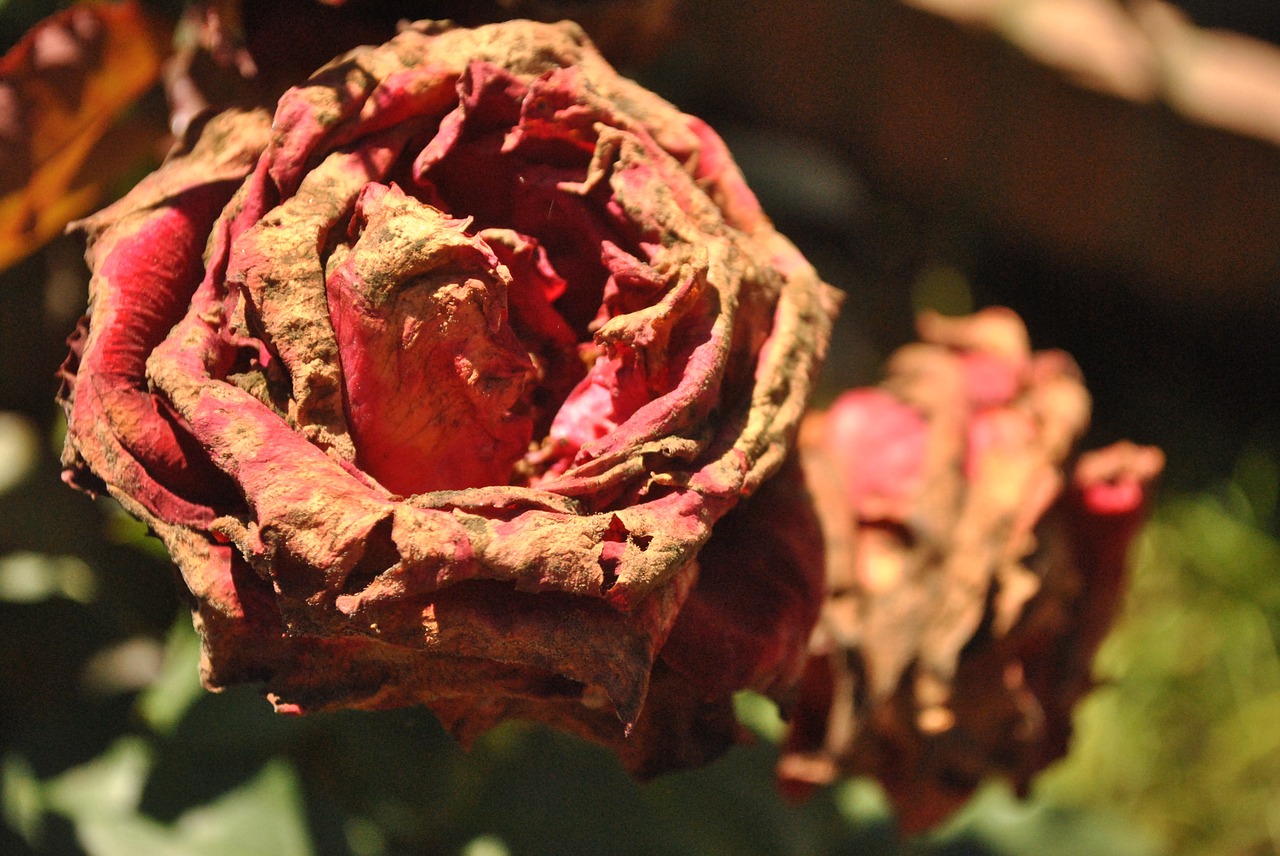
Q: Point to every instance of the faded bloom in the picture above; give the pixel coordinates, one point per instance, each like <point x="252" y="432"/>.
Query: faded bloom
<point x="970" y="580"/>
<point x="435" y="383"/>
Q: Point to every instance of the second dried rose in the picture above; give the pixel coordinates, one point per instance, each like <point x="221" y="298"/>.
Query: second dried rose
<point x="973" y="566"/>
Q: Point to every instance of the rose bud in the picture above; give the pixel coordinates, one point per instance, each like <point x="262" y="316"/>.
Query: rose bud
<point x="970" y="582"/>
<point x="435" y="383"/>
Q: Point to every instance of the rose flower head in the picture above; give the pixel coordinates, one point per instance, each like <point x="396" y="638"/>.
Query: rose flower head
<point x="435" y="383"/>
<point x="970" y="578"/>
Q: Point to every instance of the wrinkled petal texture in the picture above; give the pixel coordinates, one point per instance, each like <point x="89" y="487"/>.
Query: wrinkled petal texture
<point x="436" y="382"/>
<point x="970" y="582"/>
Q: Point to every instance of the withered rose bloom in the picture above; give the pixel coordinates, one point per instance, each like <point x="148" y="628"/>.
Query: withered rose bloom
<point x="971" y="581"/>
<point x="435" y="383"/>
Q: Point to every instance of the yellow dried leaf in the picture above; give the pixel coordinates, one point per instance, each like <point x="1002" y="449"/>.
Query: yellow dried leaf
<point x="61" y="89"/>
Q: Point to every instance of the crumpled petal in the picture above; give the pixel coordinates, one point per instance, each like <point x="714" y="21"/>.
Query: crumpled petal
<point x="436" y="382"/>
<point x="970" y="581"/>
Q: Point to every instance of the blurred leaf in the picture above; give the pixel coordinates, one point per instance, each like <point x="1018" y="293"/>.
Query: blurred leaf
<point x="125" y="666"/>
<point x="364" y="837"/>
<point x="862" y="801"/>
<point x="124" y="835"/>
<point x="1003" y="824"/>
<point x="126" y="530"/>
<point x="1183" y="737"/>
<point x="21" y="798"/>
<point x="486" y="845"/>
<point x="58" y="432"/>
<point x="1257" y="480"/>
<point x="19" y="449"/>
<point x="262" y="817"/>
<point x="1225" y="554"/>
<point x="32" y="577"/>
<point x="760" y="714"/>
<point x="163" y="704"/>
<point x="106" y="787"/>
<point x="61" y="89"/>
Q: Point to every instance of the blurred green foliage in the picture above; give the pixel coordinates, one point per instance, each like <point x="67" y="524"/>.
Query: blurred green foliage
<point x="262" y="817"/>
<point x="1183" y="734"/>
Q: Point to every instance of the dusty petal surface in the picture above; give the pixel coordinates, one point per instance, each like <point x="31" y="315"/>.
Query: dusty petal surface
<point x="436" y="382"/>
<point x="973" y="567"/>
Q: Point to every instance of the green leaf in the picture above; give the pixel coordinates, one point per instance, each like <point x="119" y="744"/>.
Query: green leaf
<point x="106" y="787"/>
<point x="125" y="835"/>
<point x="122" y="528"/>
<point x="22" y="801"/>
<point x="760" y="715"/>
<point x="263" y="817"/>
<point x="861" y="801"/>
<point x="164" y="703"/>
<point x="1006" y="825"/>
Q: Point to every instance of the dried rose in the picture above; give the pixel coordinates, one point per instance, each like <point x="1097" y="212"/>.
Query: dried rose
<point x="969" y="587"/>
<point x="435" y="383"/>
